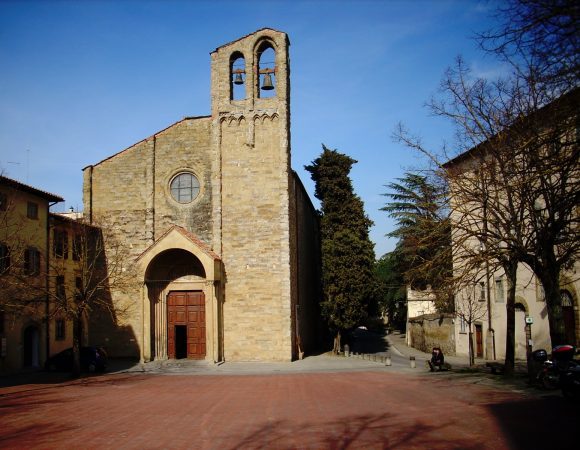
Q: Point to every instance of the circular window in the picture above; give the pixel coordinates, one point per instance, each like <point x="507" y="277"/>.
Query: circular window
<point x="184" y="187"/>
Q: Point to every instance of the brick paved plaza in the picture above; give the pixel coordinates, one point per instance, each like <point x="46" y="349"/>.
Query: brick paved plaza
<point x="334" y="410"/>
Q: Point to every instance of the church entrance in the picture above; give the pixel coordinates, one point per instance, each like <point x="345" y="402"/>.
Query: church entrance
<point x="186" y="325"/>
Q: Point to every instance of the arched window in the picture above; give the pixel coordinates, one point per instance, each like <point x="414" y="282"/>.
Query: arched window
<point x="237" y="76"/>
<point x="568" y="317"/>
<point x="266" y="78"/>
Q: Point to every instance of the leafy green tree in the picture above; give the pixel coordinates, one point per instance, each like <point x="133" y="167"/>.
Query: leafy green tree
<point x="392" y="291"/>
<point x="423" y="229"/>
<point x="349" y="284"/>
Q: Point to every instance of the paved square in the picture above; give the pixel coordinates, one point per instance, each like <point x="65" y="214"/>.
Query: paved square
<point x="338" y="410"/>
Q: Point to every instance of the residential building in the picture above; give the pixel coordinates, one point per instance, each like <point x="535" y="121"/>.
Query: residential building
<point x="481" y="304"/>
<point x="24" y="275"/>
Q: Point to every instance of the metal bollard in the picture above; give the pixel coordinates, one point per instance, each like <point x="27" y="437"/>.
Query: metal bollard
<point x="412" y="360"/>
<point x="388" y="360"/>
<point x="346" y="350"/>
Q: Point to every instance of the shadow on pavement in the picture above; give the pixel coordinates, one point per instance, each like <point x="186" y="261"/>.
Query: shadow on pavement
<point x="362" y="340"/>
<point x="548" y="422"/>
<point x="45" y="377"/>
<point x="383" y="431"/>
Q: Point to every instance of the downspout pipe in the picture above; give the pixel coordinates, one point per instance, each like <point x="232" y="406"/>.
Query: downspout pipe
<point x="47" y="297"/>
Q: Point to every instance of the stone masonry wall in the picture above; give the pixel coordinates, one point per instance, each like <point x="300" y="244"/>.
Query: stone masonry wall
<point x="307" y="276"/>
<point x="433" y="330"/>
<point x="130" y="193"/>
<point x="252" y="138"/>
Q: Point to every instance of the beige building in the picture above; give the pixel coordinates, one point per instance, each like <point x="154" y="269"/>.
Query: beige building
<point x="28" y="330"/>
<point x="483" y="300"/>
<point x="224" y="235"/>
<point x="418" y="303"/>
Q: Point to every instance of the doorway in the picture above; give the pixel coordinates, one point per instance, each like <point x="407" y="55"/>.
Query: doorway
<point x="31" y="347"/>
<point x="180" y="341"/>
<point x="186" y="325"/>
<point x="478" y="341"/>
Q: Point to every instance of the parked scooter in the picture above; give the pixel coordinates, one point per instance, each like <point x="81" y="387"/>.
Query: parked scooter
<point x="552" y="369"/>
<point x="570" y="382"/>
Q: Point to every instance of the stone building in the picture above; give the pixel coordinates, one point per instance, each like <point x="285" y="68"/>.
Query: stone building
<point x="224" y="235"/>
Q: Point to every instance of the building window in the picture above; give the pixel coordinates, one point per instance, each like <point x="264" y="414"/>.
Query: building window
<point x="4" y="258"/>
<point x="566" y="299"/>
<point x="31" y="261"/>
<point x="77" y="247"/>
<point x="462" y="325"/>
<point x="481" y="291"/>
<point x="32" y="210"/>
<point x="60" y="244"/>
<point x="79" y="288"/>
<point x="59" y="329"/>
<point x="3" y="201"/>
<point x="184" y="187"/>
<point x="60" y="288"/>
<point x="499" y="290"/>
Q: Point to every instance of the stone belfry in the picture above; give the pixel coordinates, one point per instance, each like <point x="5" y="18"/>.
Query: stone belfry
<point x="250" y="189"/>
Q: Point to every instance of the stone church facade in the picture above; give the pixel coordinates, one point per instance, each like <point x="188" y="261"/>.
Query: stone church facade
<point x="224" y="235"/>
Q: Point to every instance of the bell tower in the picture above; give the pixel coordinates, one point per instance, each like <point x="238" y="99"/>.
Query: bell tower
<point x="250" y="95"/>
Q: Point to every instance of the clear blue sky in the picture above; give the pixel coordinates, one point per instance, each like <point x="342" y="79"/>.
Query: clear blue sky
<point x="80" y="81"/>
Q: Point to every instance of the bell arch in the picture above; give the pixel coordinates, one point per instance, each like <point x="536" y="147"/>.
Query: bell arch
<point x="237" y="76"/>
<point x="266" y="77"/>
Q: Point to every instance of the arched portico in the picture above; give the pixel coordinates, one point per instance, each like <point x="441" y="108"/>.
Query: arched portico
<point x="181" y="298"/>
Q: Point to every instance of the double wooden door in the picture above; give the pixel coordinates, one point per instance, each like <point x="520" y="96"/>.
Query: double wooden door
<point x="186" y="325"/>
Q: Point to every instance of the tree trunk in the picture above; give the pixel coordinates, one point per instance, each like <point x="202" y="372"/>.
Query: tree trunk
<point x="552" y="294"/>
<point x="471" y="355"/>
<point x="77" y="338"/>
<point x="336" y="349"/>
<point x="510" y="336"/>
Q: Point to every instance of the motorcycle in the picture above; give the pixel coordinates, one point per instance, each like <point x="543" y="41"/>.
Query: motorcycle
<point x="552" y="369"/>
<point x="570" y="382"/>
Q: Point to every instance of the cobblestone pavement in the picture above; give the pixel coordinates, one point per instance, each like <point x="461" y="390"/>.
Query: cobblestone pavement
<point x="332" y="409"/>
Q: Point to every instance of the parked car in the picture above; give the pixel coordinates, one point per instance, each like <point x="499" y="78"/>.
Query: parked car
<point x="93" y="359"/>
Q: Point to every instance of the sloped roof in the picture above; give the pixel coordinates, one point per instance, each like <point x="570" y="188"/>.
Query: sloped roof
<point x="147" y="138"/>
<point x="30" y="189"/>
<point x="570" y="100"/>
<point x="188" y="235"/>
<point x="247" y="36"/>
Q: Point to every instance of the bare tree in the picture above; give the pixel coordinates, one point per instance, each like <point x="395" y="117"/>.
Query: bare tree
<point x="539" y="39"/>
<point x="514" y="185"/>
<point x="99" y="262"/>
<point x="470" y="307"/>
<point x="103" y="263"/>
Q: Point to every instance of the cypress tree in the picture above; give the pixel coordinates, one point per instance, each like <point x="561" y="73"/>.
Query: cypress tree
<point x="348" y="257"/>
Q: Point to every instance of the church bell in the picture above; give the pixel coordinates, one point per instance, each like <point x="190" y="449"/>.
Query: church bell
<point x="267" y="84"/>
<point x="238" y="79"/>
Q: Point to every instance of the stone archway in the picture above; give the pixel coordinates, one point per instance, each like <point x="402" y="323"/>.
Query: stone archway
<point x="568" y="317"/>
<point x="179" y="261"/>
<point x="175" y="282"/>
